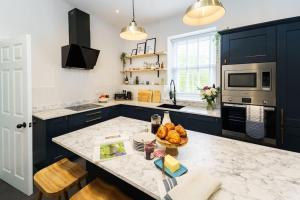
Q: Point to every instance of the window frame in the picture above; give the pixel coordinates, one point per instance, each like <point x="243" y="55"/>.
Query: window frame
<point x="205" y="32"/>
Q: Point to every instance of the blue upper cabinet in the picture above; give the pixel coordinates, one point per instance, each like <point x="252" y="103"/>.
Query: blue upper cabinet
<point x="288" y="85"/>
<point x="249" y="46"/>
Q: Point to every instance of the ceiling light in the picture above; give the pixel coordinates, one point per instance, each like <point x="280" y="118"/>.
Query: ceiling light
<point x="133" y="31"/>
<point x="203" y="12"/>
<point x="117" y="11"/>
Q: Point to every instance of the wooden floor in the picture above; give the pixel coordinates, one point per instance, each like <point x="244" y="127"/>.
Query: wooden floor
<point x="8" y="192"/>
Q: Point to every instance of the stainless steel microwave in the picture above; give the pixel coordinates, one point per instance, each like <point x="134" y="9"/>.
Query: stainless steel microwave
<point x="249" y="83"/>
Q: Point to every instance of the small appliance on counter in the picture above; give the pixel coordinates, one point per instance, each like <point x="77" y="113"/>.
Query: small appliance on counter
<point x="125" y="95"/>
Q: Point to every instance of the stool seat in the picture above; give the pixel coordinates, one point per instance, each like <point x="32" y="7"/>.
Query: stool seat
<point x="55" y="179"/>
<point x="98" y="190"/>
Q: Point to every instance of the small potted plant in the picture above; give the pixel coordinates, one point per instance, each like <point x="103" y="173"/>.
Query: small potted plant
<point x="123" y="59"/>
<point x="210" y="94"/>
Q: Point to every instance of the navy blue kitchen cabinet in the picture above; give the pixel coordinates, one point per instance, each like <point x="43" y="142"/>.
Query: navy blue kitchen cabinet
<point x="45" y="151"/>
<point x="288" y="85"/>
<point x="249" y="46"/>
<point x="89" y="118"/>
<point x="140" y="113"/>
<point x="56" y="127"/>
<point x="199" y="123"/>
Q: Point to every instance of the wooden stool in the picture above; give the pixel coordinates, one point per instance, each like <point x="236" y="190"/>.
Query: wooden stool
<point x="98" y="190"/>
<point x="54" y="180"/>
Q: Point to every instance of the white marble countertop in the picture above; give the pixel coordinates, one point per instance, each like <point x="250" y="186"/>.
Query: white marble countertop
<point x="54" y="113"/>
<point x="247" y="171"/>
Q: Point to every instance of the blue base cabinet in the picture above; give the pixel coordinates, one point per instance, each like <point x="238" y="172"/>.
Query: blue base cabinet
<point x="199" y="123"/>
<point x="45" y="151"/>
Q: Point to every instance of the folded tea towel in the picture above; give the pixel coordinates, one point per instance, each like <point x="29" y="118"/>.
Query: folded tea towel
<point x="255" y="126"/>
<point x="198" y="185"/>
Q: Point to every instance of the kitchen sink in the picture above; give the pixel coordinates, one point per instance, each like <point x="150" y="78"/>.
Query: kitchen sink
<point x="83" y="107"/>
<point x="171" y="106"/>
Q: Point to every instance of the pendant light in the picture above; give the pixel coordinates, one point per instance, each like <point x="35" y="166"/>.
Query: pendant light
<point x="203" y="12"/>
<point x="132" y="31"/>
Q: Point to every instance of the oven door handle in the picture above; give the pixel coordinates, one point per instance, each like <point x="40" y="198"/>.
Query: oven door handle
<point x="235" y="105"/>
<point x="244" y="106"/>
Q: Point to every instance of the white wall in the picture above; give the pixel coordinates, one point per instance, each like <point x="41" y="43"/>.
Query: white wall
<point x="47" y="22"/>
<point x="238" y="13"/>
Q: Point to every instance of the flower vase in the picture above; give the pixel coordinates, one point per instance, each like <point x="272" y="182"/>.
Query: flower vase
<point x="210" y="105"/>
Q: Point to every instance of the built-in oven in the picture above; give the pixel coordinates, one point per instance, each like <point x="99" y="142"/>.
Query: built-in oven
<point x="249" y="84"/>
<point x="234" y="119"/>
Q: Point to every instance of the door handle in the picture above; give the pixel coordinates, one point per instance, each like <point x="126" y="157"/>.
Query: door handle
<point x="282" y="125"/>
<point x="21" y="125"/>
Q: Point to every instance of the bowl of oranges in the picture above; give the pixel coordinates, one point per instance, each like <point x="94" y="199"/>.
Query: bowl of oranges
<point x="172" y="136"/>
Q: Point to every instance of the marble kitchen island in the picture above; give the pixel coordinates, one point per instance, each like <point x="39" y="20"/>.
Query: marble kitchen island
<point x="247" y="171"/>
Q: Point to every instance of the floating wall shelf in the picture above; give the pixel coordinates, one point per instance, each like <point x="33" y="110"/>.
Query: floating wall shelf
<point x="143" y="70"/>
<point x="157" y="54"/>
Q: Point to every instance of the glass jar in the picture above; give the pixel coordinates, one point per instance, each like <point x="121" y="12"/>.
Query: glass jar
<point x="155" y="123"/>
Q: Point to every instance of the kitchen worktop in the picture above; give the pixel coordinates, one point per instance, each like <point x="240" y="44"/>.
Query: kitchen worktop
<point x="247" y="171"/>
<point x="54" y="113"/>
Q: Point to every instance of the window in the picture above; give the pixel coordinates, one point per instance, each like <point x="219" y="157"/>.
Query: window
<point x="193" y="62"/>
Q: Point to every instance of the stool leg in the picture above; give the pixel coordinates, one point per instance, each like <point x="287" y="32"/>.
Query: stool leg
<point x="66" y="195"/>
<point x="39" y="195"/>
<point x="79" y="185"/>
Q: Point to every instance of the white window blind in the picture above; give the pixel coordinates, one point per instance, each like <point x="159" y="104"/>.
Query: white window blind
<point x="193" y="63"/>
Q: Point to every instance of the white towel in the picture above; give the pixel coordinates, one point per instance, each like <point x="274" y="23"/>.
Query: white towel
<point x="255" y="126"/>
<point x="192" y="186"/>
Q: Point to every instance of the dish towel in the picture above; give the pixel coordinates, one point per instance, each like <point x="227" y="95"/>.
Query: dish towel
<point x="255" y="126"/>
<point x="193" y="186"/>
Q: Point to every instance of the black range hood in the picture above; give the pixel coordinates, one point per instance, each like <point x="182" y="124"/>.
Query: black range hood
<point x="78" y="53"/>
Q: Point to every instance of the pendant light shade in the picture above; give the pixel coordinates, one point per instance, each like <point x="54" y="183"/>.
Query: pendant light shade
<point x="133" y="31"/>
<point x="203" y="12"/>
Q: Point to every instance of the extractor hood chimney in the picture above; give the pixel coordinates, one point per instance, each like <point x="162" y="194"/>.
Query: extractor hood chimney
<point x="78" y="53"/>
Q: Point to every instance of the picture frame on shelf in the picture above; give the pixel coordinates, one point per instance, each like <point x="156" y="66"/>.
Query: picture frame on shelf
<point x="141" y="48"/>
<point x="150" y="46"/>
<point x="133" y="52"/>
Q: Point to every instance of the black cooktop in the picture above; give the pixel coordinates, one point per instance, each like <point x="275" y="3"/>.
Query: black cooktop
<point x="83" y="107"/>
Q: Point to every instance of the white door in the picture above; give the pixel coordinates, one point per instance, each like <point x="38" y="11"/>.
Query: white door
<point x="16" y="113"/>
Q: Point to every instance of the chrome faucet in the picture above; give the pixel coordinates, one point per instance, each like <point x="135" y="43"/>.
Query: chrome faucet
<point x="172" y="94"/>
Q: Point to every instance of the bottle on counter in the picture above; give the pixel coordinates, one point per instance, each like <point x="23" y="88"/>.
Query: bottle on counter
<point x="137" y="81"/>
<point x="166" y="118"/>
<point x="155" y="123"/>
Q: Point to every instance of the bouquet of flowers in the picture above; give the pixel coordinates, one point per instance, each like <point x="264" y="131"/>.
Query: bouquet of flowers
<point x="209" y="94"/>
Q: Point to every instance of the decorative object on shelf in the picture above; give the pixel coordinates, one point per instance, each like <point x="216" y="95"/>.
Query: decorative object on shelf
<point x="151" y="45"/>
<point x="162" y="65"/>
<point x="133" y="31"/>
<point x="204" y="12"/>
<point x="126" y="81"/>
<point x="123" y="59"/>
<point x="141" y="48"/>
<point x="133" y="52"/>
<point x="210" y="94"/>
<point x="137" y="81"/>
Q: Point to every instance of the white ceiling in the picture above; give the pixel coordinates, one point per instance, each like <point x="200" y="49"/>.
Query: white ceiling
<point x="147" y="11"/>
